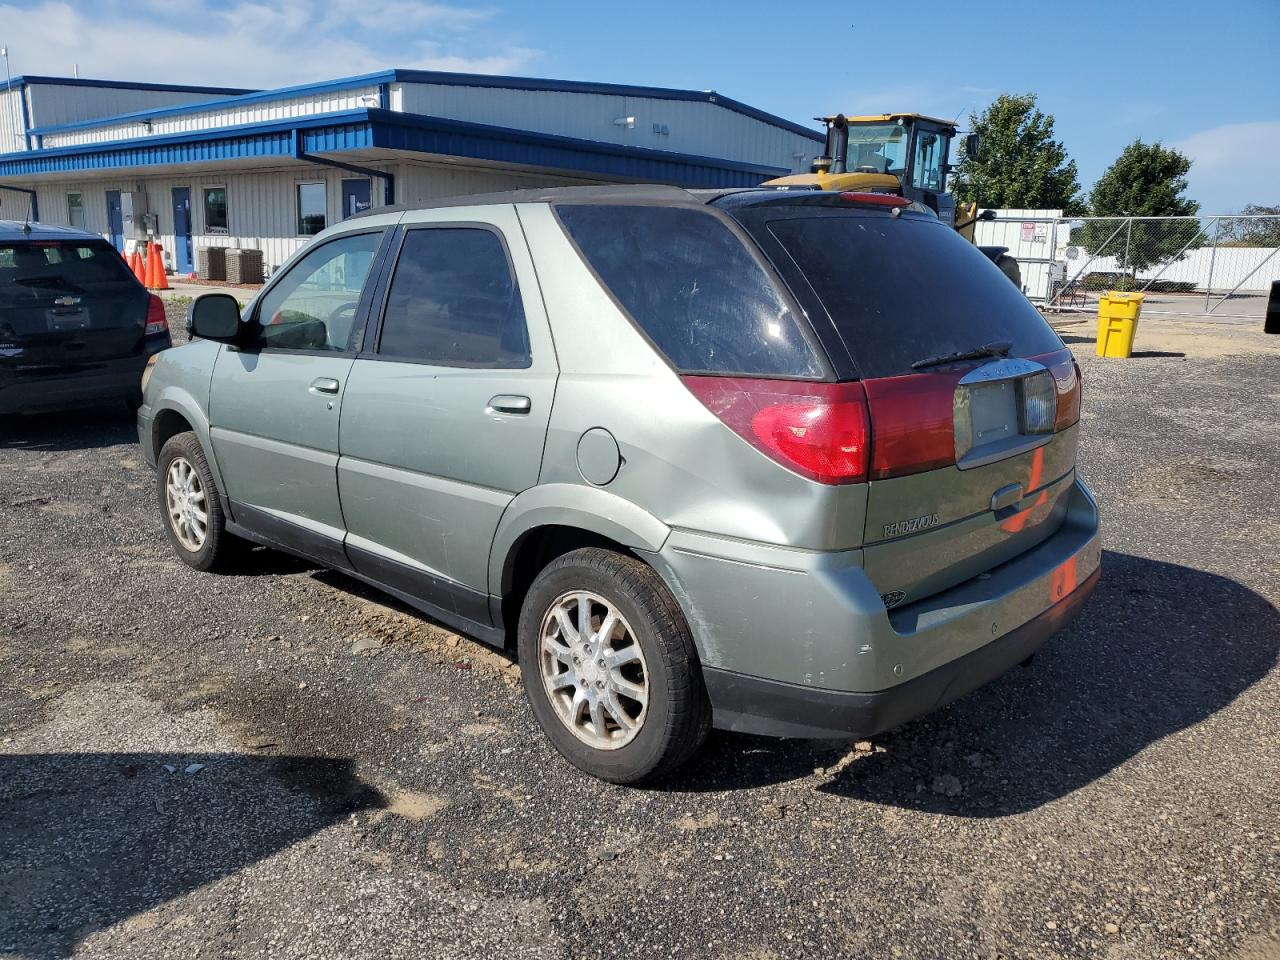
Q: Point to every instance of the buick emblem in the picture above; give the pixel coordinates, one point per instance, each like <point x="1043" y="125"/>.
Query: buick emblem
<point x="892" y="598"/>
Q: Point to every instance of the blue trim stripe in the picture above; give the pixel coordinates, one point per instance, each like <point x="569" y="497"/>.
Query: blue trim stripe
<point x="458" y="80"/>
<point x="368" y="128"/>
<point x="130" y="85"/>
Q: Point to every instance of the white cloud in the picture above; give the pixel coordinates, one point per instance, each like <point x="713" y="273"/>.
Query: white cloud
<point x="256" y="43"/>
<point x="1233" y="164"/>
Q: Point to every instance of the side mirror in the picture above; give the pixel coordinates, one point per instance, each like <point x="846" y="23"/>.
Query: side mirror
<point x="214" y="316"/>
<point x="972" y="146"/>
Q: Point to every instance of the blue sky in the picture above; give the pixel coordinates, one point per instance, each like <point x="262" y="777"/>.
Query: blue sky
<point x="1201" y="77"/>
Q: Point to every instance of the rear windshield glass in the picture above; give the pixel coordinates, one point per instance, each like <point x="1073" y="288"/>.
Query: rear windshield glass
<point x="901" y="289"/>
<point x="689" y="283"/>
<point x="35" y="270"/>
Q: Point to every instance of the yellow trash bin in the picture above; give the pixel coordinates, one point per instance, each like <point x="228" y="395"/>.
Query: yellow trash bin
<point x="1117" y="323"/>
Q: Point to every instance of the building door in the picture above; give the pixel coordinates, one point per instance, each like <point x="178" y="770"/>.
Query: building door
<point x="115" y="219"/>
<point x="182" y="230"/>
<point x="355" y="197"/>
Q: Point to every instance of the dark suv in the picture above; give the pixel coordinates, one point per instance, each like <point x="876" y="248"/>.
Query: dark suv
<point x="76" y="326"/>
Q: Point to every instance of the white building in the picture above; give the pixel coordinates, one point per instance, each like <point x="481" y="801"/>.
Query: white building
<point x="266" y="169"/>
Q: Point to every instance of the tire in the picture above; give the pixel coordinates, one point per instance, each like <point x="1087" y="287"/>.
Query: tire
<point x="675" y="716"/>
<point x="1009" y="267"/>
<point x="216" y="549"/>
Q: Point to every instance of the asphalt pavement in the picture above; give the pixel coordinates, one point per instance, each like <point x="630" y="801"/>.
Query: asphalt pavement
<point x="282" y="763"/>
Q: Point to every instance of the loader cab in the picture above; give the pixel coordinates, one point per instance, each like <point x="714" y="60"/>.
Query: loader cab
<point x="914" y="149"/>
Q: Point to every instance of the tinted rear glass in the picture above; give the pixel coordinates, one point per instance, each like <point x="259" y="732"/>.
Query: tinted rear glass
<point x="694" y="289"/>
<point x="36" y="270"/>
<point x="900" y="289"/>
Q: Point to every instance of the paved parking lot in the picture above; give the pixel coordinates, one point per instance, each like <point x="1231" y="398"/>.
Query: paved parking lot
<point x="204" y="766"/>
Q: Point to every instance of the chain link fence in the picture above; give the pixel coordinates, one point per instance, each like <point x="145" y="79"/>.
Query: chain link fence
<point x="1219" y="266"/>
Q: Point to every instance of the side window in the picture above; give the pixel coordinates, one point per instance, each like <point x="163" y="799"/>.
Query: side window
<point x="694" y="289"/>
<point x="454" y="302"/>
<point x="931" y="153"/>
<point x="313" y="306"/>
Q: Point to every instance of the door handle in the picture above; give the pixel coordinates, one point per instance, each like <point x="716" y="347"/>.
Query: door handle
<point x="508" y="403"/>
<point x="324" y="385"/>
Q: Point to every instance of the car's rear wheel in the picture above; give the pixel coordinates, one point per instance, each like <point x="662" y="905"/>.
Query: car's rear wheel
<point x="190" y="508"/>
<point x="609" y="667"/>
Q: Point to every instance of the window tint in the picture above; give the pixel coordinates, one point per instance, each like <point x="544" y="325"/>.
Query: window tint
<point x="313" y="306"/>
<point x="454" y="302"/>
<point x="900" y="289"/>
<point x="311" y="209"/>
<point x="689" y="283"/>
<point x="215" y="210"/>
<point x="41" y="269"/>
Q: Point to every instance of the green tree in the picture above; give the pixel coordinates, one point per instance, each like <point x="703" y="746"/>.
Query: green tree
<point x="1020" y="164"/>
<point x="1146" y="180"/>
<point x="1249" y="232"/>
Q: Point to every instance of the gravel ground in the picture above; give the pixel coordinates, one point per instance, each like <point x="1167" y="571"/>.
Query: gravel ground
<point x="204" y="766"/>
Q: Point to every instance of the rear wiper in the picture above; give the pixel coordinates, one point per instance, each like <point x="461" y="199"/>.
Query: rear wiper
<point x="997" y="348"/>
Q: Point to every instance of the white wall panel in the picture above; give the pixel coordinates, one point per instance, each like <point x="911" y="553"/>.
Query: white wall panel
<point x="227" y="115"/>
<point x="694" y="127"/>
<point x="56" y="103"/>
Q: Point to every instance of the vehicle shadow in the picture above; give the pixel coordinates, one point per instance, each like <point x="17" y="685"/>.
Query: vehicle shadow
<point x="89" y="839"/>
<point x="90" y="428"/>
<point x="1159" y="648"/>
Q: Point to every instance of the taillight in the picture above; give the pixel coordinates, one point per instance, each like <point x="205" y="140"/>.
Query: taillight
<point x="912" y="422"/>
<point x="157" y="322"/>
<point x="1066" y="375"/>
<point x="875" y="199"/>
<point x="819" y="430"/>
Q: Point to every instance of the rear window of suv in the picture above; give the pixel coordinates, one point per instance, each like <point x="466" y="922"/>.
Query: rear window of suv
<point x="36" y="269"/>
<point x="901" y="289"/>
<point x="695" y="290"/>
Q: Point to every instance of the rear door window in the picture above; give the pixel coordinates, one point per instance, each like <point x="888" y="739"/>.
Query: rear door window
<point x="901" y="289"/>
<point x="33" y="270"/>
<point x="454" y="302"/>
<point x="693" y="288"/>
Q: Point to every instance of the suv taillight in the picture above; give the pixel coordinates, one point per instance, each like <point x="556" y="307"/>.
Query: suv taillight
<point x="913" y="422"/>
<point x="819" y="430"/>
<point x="157" y="322"/>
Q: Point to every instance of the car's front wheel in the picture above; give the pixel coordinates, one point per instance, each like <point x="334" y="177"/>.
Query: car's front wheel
<point x="610" y="668"/>
<point x="190" y="508"/>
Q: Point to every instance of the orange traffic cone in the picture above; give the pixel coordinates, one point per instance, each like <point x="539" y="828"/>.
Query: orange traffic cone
<point x="160" y="281"/>
<point x="135" y="264"/>
<point x="149" y="268"/>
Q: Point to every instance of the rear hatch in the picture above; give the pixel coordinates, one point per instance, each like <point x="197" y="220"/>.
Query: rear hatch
<point x="67" y="305"/>
<point x="972" y="399"/>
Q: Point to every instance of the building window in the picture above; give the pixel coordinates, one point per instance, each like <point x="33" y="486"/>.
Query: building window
<point x="311" y="209"/>
<point x="75" y="210"/>
<point x="215" y="210"/>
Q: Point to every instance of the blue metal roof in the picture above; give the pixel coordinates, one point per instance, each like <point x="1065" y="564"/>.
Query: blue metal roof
<point x="31" y="80"/>
<point x="365" y="128"/>
<point x="449" y="79"/>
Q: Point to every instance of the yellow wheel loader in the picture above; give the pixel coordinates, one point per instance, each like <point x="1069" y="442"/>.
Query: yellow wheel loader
<point x="905" y="154"/>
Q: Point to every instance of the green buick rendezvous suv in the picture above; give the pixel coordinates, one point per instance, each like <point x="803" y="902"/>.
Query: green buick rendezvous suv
<point x="791" y="463"/>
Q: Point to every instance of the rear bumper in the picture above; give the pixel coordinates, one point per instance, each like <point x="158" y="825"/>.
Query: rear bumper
<point x="799" y="643"/>
<point x="96" y="383"/>
<point x="768" y="707"/>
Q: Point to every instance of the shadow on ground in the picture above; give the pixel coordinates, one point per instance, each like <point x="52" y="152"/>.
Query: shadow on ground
<point x="84" y="429"/>
<point x="89" y="839"/>
<point x="1159" y="648"/>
